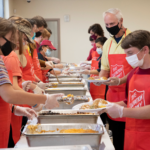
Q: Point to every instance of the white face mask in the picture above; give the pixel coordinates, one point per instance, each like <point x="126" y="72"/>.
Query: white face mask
<point x="134" y="61"/>
<point x="99" y="51"/>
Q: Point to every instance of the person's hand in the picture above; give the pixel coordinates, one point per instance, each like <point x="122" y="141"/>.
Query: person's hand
<point x="43" y="85"/>
<point x="66" y="65"/>
<point x="56" y="60"/>
<point x="115" y="110"/>
<point x="114" y="81"/>
<point x="88" y="67"/>
<point x="51" y="101"/>
<point x="24" y="111"/>
<point x="26" y="85"/>
<point x="85" y="72"/>
<point x="38" y="90"/>
<point x="38" y="108"/>
<point x="60" y="66"/>
<point x="49" y="64"/>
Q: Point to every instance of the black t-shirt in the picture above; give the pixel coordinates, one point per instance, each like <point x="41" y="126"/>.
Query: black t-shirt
<point x="99" y="63"/>
<point x="41" y="57"/>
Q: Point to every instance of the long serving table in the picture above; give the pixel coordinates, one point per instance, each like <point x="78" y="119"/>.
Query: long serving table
<point x="106" y="143"/>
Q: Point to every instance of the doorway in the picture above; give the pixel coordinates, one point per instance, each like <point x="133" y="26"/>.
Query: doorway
<point x="54" y="26"/>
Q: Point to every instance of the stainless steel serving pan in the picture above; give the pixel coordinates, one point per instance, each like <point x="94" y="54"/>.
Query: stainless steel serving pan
<point x="68" y="117"/>
<point x="66" y="76"/>
<point x="69" y="84"/>
<point x="66" y="79"/>
<point x="66" y="91"/>
<point x="67" y="147"/>
<point x="57" y="139"/>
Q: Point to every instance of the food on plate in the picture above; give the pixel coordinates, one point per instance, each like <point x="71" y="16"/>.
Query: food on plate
<point x="98" y="103"/>
<point x="91" y="78"/>
<point x="102" y="78"/>
<point x="78" y="131"/>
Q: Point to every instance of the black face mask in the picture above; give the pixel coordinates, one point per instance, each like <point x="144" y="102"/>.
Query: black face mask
<point x="7" y="47"/>
<point x="38" y="34"/>
<point x="113" y="30"/>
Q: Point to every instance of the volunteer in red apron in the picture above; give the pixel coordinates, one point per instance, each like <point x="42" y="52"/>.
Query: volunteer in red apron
<point x="96" y="91"/>
<point x="8" y="94"/>
<point x="114" y="64"/>
<point x="136" y="108"/>
<point x="45" y="50"/>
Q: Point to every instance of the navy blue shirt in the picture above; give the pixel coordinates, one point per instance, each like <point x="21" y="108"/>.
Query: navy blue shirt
<point x="118" y="39"/>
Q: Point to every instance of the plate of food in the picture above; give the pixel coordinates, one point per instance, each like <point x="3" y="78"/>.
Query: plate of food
<point x="95" y="106"/>
<point x="101" y="80"/>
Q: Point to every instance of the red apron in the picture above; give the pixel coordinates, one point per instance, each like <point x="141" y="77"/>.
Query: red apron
<point x="16" y="121"/>
<point x="36" y="64"/>
<point x="5" y="119"/>
<point x="96" y="91"/>
<point x="119" y="67"/>
<point x="28" y="71"/>
<point x="44" y="73"/>
<point x="137" y="132"/>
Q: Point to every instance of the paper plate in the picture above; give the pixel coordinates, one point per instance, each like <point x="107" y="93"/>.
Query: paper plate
<point x="77" y="107"/>
<point x="97" y="81"/>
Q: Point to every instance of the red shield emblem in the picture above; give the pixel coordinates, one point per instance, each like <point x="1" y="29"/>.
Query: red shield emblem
<point x="95" y="58"/>
<point x="136" y="98"/>
<point x="117" y="71"/>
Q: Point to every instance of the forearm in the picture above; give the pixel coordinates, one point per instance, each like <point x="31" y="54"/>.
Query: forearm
<point x="12" y="96"/>
<point x="124" y="79"/>
<point x="121" y="103"/>
<point x="95" y="72"/>
<point x="137" y="113"/>
<point x="104" y="73"/>
<point x="36" y="78"/>
<point x="57" y="72"/>
<point x="60" y="66"/>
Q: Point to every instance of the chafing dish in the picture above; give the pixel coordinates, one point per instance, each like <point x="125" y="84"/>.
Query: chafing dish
<point x="57" y="138"/>
<point x="66" y="116"/>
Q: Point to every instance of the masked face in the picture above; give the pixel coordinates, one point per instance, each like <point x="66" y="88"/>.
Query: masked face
<point x="99" y="51"/>
<point x="48" y="52"/>
<point x="7" y="47"/>
<point x="113" y="30"/>
<point x="134" y="61"/>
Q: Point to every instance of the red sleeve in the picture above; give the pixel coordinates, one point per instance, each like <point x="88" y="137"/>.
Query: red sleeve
<point x="13" y="64"/>
<point x="127" y="84"/>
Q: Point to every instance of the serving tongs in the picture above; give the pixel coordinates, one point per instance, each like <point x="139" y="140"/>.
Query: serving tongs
<point x="57" y="77"/>
<point x="67" y="100"/>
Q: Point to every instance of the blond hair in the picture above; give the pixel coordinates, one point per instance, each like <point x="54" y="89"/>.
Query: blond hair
<point x="45" y="33"/>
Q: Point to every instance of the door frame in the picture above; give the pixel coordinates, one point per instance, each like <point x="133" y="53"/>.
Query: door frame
<point x="58" y="29"/>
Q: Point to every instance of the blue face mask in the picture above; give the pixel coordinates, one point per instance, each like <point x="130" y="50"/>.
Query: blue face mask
<point x="48" y="53"/>
<point x="99" y="51"/>
<point x="33" y="36"/>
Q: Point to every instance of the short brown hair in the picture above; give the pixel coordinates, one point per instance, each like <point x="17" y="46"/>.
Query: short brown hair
<point x="5" y="27"/>
<point x="45" y="33"/>
<point x="40" y="21"/>
<point x="96" y="28"/>
<point x="138" y="38"/>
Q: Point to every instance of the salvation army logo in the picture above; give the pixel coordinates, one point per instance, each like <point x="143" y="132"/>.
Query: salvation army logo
<point x="117" y="71"/>
<point x="95" y="58"/>
<point x="136" y="98"/>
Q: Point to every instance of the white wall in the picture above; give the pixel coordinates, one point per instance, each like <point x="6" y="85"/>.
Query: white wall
<point x="83" y="13"/>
